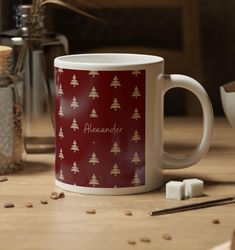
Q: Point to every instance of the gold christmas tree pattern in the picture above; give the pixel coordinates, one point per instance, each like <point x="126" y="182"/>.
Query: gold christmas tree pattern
<point x="93" y="73"/>
<point x="135" y="159"/>
<point x="115" y="82"/>
<point x="93" y="114"/>
<point x="115" y="149"/>
<point x="115" y="170"/>
<point x="136" y="73"/>
<point x="74" y="168"/>
<point x="93" y="93"/>
<point x="74" y="81"/>
<point x="100" y="128"/>
<point x="61" y="175"/>
<point x="74" y="125"/>
<point x="93" y="159"/>
<point x="74" y="104"/>
<point x="60" y="90"/>
<point x="74" y="147"/>
<point x="61" y="155"/>
<point x="61" y="112"/>
<point x="61" y="134"/>
<point x="136" y="180"/>
<point x="93" y="181"/>
<point x="136" y="136"/>
<point x="60" y="70"/>
<point x="115" y="105"/>
<point x="136" y="93"/>
<point x="136" y="115"/>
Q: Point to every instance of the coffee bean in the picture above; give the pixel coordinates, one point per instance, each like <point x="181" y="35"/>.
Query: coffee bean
<point x="131" y="242"/>
<point x="145" y="239"/>
<point x="2" y="179"/>
<point x="61" y="195"/>
<point x="216" y="221"/>
<point x="128" y="213"/>
<point x="9" y="205"/>
<point x="166" y="237"/>
<point x="56" y="195"/>
<point x="91" y="211"/>
<point x="29" y="205"/>
<point x="44" y="202"/>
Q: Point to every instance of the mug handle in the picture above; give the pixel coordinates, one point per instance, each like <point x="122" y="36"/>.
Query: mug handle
<point x="182" y="81"/>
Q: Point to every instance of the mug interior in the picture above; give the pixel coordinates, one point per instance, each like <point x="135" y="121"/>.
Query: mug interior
<point x="107" y="59"/>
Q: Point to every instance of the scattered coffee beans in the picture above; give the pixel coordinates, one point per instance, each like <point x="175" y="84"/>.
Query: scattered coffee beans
<point x="166" y="237"/>
<point x="2" y="179"/>
<point x="145" y="239"/>
<point x="216" y="221"/>
<point x="44" y="202"/>
<point x="9" y="205"/>
<point x="91" y="211"/>
<point x="131" y="242"/>
<point x="29" y="205"/>
<point x="128" y="213"/>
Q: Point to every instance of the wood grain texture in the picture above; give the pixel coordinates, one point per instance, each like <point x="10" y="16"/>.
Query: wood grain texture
<point x="64" y="223"/>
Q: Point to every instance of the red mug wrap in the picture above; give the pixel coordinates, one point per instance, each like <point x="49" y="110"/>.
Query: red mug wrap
<point x="100" y="128"/>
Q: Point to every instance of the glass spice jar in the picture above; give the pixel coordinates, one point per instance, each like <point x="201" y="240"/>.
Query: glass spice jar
<point x="10" y="115"/>
<point x="41" y="48"/>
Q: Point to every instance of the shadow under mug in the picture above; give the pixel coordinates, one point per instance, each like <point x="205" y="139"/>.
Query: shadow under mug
<point x="109" y="123"/>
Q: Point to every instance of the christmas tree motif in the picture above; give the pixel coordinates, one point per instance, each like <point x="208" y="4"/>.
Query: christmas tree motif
<point x="115" y="83"/>
<point x="136" y="180"/>
<point x="61" y="175"/>
<point x="60" y="70"/>
<point x="93" y="94"/>
<point x="136" y="93"/>
<point x="115" y="149"/>
<point x="136" y="73"/>
<point x="60" y="91"/>
<point x="135" y="159"/>
<point x="136" y="115"/>
<point x="115" y="170"/>
<point x="136" y="136"/>
<point x="74" y="103"/>
<point x="115" y="105"/>
<point x="74" y="81"/>
<point x="93" y="181"/>
<point x="74" y="125"/>
<point x="61" y="134"/>
<point x="74" y="168"/>
<point x="61" y="113"/>
<point x="74" y="147"/>
<point x="93" y="114"/>
<point x="94" y="160"/>
<point x="61" y="155"/>
<point x="93" y="73"/>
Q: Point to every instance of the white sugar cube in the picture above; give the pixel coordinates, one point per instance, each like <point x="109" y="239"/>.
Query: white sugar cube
<point x="175" y="190"/>
<point x="193" y="187"/>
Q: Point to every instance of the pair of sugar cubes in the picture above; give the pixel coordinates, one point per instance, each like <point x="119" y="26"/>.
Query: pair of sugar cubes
<point x="188" y="188"/>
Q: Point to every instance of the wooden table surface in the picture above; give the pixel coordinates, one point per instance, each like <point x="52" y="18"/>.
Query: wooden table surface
<point x="64" y="224"/>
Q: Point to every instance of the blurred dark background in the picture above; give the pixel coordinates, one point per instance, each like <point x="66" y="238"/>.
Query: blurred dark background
<point x="197" y="38"/>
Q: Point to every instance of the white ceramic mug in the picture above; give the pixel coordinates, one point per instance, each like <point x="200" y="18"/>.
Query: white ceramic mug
<point x="109" y="123"/>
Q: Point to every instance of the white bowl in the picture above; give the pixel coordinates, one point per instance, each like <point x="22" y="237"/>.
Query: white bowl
<point x="228" y="103"/>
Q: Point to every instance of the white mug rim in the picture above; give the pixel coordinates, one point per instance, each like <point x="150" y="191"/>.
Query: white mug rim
<point x="105" y="60"/>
